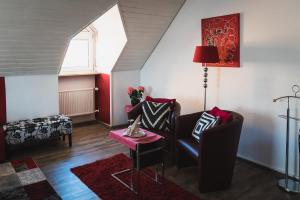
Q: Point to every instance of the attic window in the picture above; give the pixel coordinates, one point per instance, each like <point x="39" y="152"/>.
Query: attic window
<point x="80" y="55"/>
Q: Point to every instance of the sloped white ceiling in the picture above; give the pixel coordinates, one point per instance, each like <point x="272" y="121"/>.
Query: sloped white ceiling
<point x="145" y="23"/>
<point x="34" y="34"/>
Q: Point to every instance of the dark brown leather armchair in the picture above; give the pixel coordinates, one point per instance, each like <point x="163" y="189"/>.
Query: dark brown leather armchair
<point x="169" y="136"/>
<point x="215" y="154"/>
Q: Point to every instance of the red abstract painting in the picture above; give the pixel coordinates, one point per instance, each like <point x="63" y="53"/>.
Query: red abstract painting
<point x="223" y="32"/>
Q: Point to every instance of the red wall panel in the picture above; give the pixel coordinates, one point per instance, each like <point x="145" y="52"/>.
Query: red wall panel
<point x="2" y="101"/>
<point x="102" y="81"/>
<point x="2" y="117"/>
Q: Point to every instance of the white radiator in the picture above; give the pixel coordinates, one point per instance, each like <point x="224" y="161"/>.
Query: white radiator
<point x="77" y="102"/>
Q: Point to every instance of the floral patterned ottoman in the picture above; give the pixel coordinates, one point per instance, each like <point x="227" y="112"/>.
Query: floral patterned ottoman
<point x="29" y="131"/>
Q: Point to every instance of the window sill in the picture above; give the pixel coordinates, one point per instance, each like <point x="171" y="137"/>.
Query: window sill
<point x="78" y="74"/>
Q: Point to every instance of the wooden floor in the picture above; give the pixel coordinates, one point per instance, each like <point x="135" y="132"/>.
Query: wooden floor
<point x="90" y="143"/>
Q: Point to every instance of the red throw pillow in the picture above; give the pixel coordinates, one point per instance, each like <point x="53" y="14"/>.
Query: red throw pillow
<point x="223" y="115"/>
<point x="162" y="100"/>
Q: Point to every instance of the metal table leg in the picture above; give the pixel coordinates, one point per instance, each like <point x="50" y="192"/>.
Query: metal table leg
<point x="134" y="184"/>
<point x="131" y="170"/>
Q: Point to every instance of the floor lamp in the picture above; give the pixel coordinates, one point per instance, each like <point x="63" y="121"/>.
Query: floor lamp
<point x="206" y="54"/>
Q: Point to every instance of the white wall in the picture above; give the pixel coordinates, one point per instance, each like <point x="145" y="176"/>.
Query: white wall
<point x="31" y="96"/>
<point x="270" y="48"/>
<point x="111" y="39"/>
<point x="120" y="81"/>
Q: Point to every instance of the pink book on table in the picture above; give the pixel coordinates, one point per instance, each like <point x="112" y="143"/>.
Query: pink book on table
<point x="132" y="142"/>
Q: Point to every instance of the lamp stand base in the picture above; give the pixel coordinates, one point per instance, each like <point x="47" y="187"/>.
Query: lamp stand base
<point x="291" y="186"/>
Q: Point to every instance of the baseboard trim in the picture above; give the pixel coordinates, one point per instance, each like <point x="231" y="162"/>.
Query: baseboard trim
<point x="85" y="123"/>
<point x="104" y="124"/>
<point x="119" y="126"/>
<point x="99" y="122"/>
<point x="113" y="127"/>
<point x="265" y="166"/>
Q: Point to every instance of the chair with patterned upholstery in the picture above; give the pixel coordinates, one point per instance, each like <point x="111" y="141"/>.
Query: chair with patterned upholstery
<point x="169" y="135"/>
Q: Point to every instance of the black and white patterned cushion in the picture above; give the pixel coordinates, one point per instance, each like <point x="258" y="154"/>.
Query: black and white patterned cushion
<point x="206" y="121"/>
<point x="26" y="131"/>
<point x="156" y="116"/>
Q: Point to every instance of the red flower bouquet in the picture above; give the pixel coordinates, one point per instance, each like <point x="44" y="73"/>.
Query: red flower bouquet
<point x="136" y="95"/>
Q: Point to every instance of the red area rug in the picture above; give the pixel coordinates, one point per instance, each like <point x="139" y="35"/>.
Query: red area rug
<point x="97" y="176"/>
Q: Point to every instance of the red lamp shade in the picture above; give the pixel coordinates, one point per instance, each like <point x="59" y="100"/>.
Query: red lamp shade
<point x="206" y="54"/>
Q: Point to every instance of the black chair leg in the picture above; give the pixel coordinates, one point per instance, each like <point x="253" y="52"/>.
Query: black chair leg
<point x="70" y="140"/>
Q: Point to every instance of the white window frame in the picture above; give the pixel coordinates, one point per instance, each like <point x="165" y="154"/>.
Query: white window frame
<point x="90" y="34"/>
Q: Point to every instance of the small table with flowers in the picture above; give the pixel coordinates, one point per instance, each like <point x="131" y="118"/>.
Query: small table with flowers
<point x="140" y="149"/>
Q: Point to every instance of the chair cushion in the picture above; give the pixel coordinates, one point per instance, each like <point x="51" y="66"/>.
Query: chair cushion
<point x="223" y="115"/>
<point x="156" y="116"/>
<point x="189" y="146"/>
<point x="206" y="121"/>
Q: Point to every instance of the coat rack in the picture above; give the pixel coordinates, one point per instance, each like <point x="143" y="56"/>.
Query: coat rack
<point x="289" y="185"/>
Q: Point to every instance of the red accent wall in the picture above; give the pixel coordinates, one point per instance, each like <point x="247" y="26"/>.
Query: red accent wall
<point x="102" y="81"/>
<point x="2" y="117"/>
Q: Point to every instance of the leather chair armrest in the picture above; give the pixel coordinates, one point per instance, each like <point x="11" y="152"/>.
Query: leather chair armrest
<point x="185" y="125"/>
<point x="223" y="133"/>
<point x="135" y="111"/>
<point x="214" y="138"/>
<point x="218" y="149"/>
